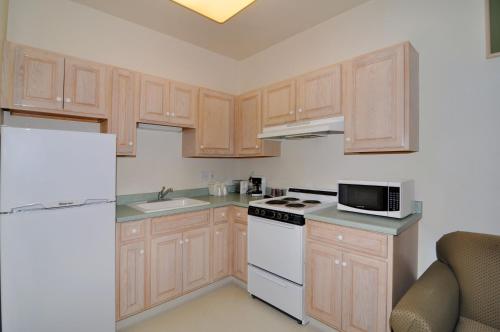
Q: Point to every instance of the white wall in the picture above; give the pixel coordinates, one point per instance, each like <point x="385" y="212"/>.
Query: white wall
<point x="457" y="168"/>
<point x="69" y="28"/>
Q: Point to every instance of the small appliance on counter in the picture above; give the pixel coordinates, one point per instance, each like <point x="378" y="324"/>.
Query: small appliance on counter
<point x="388" y="199"/>
<point x="256" y="186"/>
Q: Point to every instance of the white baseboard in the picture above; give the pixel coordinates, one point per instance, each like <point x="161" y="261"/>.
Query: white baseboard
<point x="159" y="309"/>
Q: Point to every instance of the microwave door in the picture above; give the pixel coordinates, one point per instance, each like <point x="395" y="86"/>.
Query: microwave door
<point x="363" y="198"/>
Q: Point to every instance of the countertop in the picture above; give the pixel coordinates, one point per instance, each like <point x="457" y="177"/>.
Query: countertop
<point x="330" y="215"/>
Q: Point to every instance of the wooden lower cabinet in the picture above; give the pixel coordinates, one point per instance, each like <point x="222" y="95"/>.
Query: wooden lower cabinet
<point x="166" y="268"/>
<point x="132" y="278"/>
<point x="196" y="259"/>
<point x="240" y="262"/>
<point x="220" y="251"/>
<point x="352" y="290"/>
<point x="163" y="258"/>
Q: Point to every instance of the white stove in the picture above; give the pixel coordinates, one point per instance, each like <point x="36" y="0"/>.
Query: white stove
<point x="276" y="248"/>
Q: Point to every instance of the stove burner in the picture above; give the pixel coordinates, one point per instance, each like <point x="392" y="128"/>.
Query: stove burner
<point x="311" y="201"/>
<point x="295" y="205"/>
<point x="290" y="199"/>
<point x="276" y="202"/>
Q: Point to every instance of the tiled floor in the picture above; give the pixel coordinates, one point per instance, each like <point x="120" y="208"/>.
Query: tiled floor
<point x="227" y="309"/>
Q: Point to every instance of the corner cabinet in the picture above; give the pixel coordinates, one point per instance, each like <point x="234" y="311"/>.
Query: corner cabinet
<point x="214" y="135"/>
<point x="249" y="125"/>
<point x="355" y="277"/>
<point x="381" y="101"/>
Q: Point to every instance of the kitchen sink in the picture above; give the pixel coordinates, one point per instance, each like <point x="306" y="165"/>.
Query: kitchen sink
<point x="172" y="204"/>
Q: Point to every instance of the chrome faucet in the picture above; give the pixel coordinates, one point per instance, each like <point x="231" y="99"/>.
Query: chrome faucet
<point x="162" y="195"/>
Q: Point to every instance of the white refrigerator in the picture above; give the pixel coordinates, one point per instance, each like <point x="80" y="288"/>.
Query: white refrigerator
<point x="57" y="231"/>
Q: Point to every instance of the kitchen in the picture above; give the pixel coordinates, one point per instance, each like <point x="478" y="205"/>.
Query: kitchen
<point x="439" y="168"/>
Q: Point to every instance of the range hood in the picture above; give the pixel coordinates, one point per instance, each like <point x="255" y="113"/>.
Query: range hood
<point x="305" y="129"/>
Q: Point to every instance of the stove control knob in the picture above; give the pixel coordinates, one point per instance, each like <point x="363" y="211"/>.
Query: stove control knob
<point x="272" y="214"/>
<point x="285" y="217"/>
<point x="263" y="212"/>
<point x="256" y="211"/>
<point x="278" y="215"/>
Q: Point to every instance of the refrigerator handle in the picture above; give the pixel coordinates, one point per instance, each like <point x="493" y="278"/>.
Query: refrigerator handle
<point x="29" y="207"/>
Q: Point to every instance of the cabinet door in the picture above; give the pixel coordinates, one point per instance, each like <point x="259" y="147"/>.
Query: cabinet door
<point x="220" y="252"/>
<point x="183" y="104"/>
<point x="324" y="284"/>
<point x="216" y="123"/>
<point x="38" y="79"/>
<point x="249" y="124"/>
<point x="364" y="299"/>
<point x="132" y="278"/>
<point x="196" y="258"/>
<point x="154" y="100"/>
<point x="166" y="268"/>
<point x="319" y="94"/>
<point x="123" y="106"/>
<point x="85" y="88"/>
<point x="374" y="107"/>
<point x="279" y="103"/>
<point x="240" y="266"/>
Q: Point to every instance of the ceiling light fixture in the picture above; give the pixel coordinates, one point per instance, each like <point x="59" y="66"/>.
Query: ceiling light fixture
<point x="218" y="10"/>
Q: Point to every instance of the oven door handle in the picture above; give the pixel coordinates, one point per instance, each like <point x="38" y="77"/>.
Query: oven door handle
<point x="271" y="279"/>
<point x="277" y="223"/>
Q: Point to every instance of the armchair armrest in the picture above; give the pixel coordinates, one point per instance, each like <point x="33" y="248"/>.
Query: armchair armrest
<point x="430" y="305"/>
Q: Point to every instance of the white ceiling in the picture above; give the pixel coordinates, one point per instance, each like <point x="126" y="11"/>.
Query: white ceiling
<point x="262" y="24"/>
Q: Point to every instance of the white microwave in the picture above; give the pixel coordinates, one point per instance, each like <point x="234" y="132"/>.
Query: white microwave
<point x="388" y="199"/>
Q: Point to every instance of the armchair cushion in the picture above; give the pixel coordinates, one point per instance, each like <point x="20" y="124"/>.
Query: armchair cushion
<point x="430" y="305"/>
<point x="469" y="325"/>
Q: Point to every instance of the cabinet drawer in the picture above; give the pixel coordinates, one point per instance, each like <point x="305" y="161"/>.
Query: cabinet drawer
<point x="221" y="215"/>
<point x="178" y="222"/>
<point x="350" y="238"/>
<point x="240" y="215"/>
<point x="132" y="230"/>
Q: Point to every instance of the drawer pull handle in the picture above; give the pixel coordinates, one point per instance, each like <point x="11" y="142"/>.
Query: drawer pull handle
<point x="186" y="240"/>
<point x="337" y="262"/>
<point x="134" y="230"/>
<point x="344" y="264"/>
<point x="181" y="242"/>
<point x="340" y="237"/>
<point x="141" y="252"/>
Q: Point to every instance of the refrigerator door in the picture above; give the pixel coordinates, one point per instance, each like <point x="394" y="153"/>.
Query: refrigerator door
<point x="58" y="270"/>
<point x="50" y="168"/>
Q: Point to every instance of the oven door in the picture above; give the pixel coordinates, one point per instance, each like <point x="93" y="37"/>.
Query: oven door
<point x="363" y="198"/>
<point x="276" y="247"/>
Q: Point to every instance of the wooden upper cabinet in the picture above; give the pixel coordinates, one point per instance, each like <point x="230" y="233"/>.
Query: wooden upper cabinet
<point x="381" y="101"/>
<point x="123" y="105"/>
<point x="216" y="123"/>
<point x="183" y="104"/>
<point x="319" y="94"/>
<point x="364" y="299"/>
<point x="154" y="100"/>
<point x="324" y="284"/>
<point x="249" y="124"/>
<point x="279" y="103"/>
<point x="132" y="278"/>
<point x="85" y="88"/>
<point x="38" y="79"/>
<point x="196" y="258"/>
<point x="166" y="268"/>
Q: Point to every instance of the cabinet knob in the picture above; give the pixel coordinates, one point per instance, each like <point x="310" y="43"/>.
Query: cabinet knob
<point x="131" y="143"/>
<point x="337" y="262"/>
<point x="347" y="139"/>
<point x="256" y="146"/>
<point x="291" y="112"/>
<point x="217" y="233"/>
<point x="238" y="214"/>
<point x="58" y="99"/>
<point x="134" y="230"/>
<point x="300" y="110"/>
<point x="244" y="234"/>
<point x="223" y="214"/>
<point x="344" y="264"/>
<point x="340" y="237"/>
<point x="168" y="113"/>
<point x="173" y="115"/>
<point x="186" y="240"/>
<point x="68" y="100"/>
<point x="180" y="242"/>
<point x="201" y="146"/>
<point x="141" y="252"/>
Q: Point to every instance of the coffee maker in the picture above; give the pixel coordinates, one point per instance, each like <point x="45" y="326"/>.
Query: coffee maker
<point x="256" y="186"/>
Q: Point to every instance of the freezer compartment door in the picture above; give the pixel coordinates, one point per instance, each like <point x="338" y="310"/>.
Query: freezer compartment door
<point x="281" y="293"/>
<point x="51" y="167"/>
<point x="58" y="270"/>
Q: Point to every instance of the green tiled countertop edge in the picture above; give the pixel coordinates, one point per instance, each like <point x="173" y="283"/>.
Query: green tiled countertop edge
<point x="330" y="215"/>
<point x="367" y="222"/>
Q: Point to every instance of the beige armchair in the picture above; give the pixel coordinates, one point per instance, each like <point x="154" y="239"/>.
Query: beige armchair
<point x="459" y="292"/>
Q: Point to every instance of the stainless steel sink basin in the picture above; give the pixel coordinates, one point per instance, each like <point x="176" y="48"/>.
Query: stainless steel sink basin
<point x="176" y="203"/>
